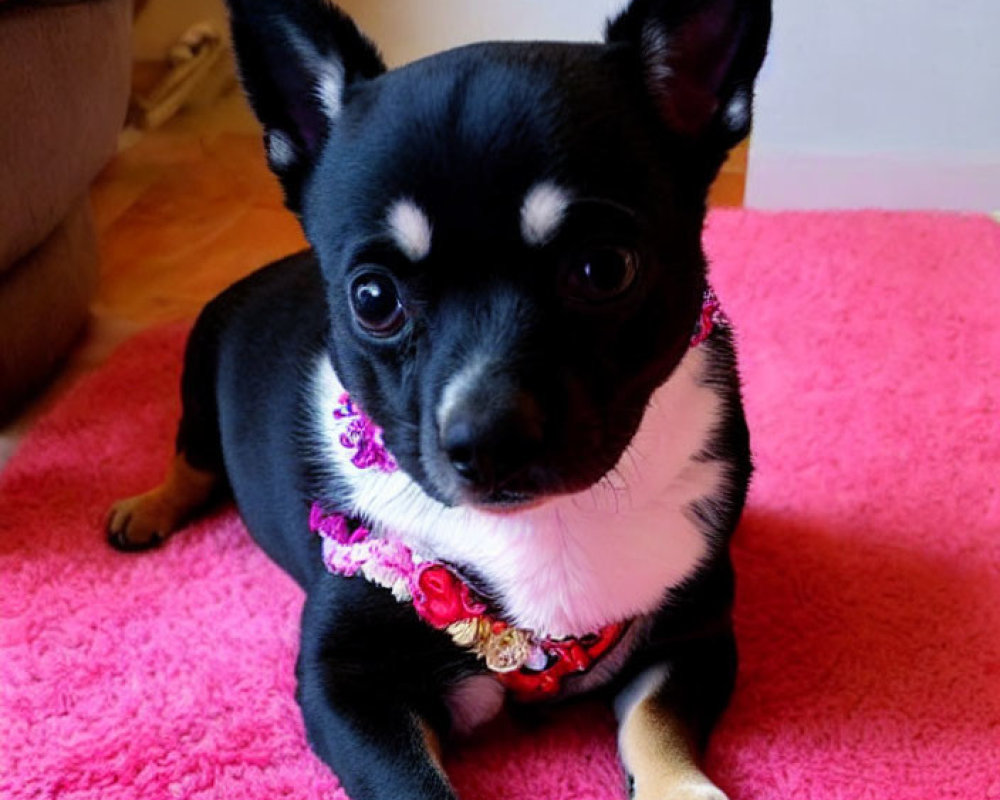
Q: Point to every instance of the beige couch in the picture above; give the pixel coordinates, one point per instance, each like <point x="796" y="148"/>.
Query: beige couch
<point x="64" y="84"/>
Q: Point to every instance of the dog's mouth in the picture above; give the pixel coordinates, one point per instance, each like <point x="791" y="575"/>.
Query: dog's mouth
<point x="505" y="501"/>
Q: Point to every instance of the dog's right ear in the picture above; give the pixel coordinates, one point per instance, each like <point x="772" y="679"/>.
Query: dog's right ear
<point x="297" y="59"/>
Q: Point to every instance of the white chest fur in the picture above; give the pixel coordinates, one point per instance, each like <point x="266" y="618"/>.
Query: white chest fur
<point x="578" y="562"/>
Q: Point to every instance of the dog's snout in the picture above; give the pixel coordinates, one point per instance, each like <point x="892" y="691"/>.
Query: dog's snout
<point x="488" y="447"/>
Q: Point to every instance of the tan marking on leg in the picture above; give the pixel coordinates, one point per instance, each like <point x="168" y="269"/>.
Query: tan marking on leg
<point x="433" y="744"/>
<point x="659" y="754"/>
<point x="147" y="518"/>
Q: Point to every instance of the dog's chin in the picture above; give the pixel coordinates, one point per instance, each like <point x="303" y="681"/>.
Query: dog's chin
<point x="505" y="502"/>
<point x="445" y="486"/>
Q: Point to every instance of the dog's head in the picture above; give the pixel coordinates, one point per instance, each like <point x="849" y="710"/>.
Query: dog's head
<point x="510" y="234"/>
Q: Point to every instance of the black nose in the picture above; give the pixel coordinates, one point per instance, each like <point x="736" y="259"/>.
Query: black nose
<point x="487" y="447"/>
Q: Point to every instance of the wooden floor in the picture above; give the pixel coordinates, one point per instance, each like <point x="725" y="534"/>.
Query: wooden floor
<point x="184" y="212"/>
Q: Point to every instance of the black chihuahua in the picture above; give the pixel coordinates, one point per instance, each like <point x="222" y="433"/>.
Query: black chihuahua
<point x="491" y="422"/>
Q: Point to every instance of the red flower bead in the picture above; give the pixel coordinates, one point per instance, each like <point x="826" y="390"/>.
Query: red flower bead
<point x="472" y="606"/>
<point x="441" y="600"/>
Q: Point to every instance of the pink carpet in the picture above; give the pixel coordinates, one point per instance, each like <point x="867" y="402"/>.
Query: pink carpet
<point x="868" y="608"/>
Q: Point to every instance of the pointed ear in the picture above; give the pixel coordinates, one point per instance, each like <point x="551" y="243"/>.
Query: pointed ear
<point x="700" y="59"/>
<point x="297" y="59"/>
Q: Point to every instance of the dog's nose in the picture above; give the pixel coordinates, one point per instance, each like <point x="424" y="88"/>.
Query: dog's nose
<point x="487" y="448"/>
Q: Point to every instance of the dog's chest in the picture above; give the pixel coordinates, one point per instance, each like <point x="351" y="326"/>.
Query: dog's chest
<point x="578" y="562"/>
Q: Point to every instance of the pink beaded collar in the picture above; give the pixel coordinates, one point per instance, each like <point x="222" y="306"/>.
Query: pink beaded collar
<point x="530" y="666"/>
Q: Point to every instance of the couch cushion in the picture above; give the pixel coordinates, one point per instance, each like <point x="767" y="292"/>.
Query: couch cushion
<point x="44" y="300"/>
<point x="64" y="93"/>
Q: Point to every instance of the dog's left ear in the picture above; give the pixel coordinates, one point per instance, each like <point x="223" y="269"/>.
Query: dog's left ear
<point x="298" y="60"/>
<point x="700" y="59"/>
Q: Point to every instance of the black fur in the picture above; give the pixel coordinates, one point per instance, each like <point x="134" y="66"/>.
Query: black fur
<point x="280" y="81"/>
<point x="466" y="134"/>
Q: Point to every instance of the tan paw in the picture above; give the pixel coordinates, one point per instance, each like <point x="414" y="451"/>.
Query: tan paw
<point x="687" y="790"/>
<point x="699" y="791"/>
<point x="141" y="522"/>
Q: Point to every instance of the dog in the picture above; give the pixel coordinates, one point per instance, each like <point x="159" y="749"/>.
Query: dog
<point x="491" y="422"/>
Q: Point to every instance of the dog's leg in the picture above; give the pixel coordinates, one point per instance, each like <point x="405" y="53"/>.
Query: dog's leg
<point x="140" y="522"/>
<point x="659" y="754"/>
<point x="362" y="716"/>
<point x="432" y="743"/>
<point x="378" y="754"/>
<point x="665" y="716"/>
<point x="197" y="469"/>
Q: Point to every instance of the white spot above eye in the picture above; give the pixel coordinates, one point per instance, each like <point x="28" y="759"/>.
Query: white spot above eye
<point x="411" y="229"/>
<point x="542" y="213"/>
<point x="280" y="150"/>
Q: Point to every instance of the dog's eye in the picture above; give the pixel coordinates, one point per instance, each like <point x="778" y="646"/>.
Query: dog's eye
<point x="376" y="304"/>
<point x="600" y="275"/>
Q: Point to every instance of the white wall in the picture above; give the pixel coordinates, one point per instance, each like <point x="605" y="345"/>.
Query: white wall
<point x="884" y="103"/>
<point x="408" y="29"/>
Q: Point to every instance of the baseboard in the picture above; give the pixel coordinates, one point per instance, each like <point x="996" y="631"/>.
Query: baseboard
<point x="779" y="180"/>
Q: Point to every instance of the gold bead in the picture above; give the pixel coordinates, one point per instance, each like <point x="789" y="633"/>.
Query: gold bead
<point x="507" y="651"/>
<point x="465" y="632"/>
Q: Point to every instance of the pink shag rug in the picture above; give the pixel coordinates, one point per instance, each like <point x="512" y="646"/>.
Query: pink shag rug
<point x="868" y="608"/>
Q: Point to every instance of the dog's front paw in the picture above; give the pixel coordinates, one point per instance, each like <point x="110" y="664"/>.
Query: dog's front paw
<point x="144" y="521"/>
<point x="687" y="790"/>
<point x="141" y="522"/>
<point x="698" y="791"/>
